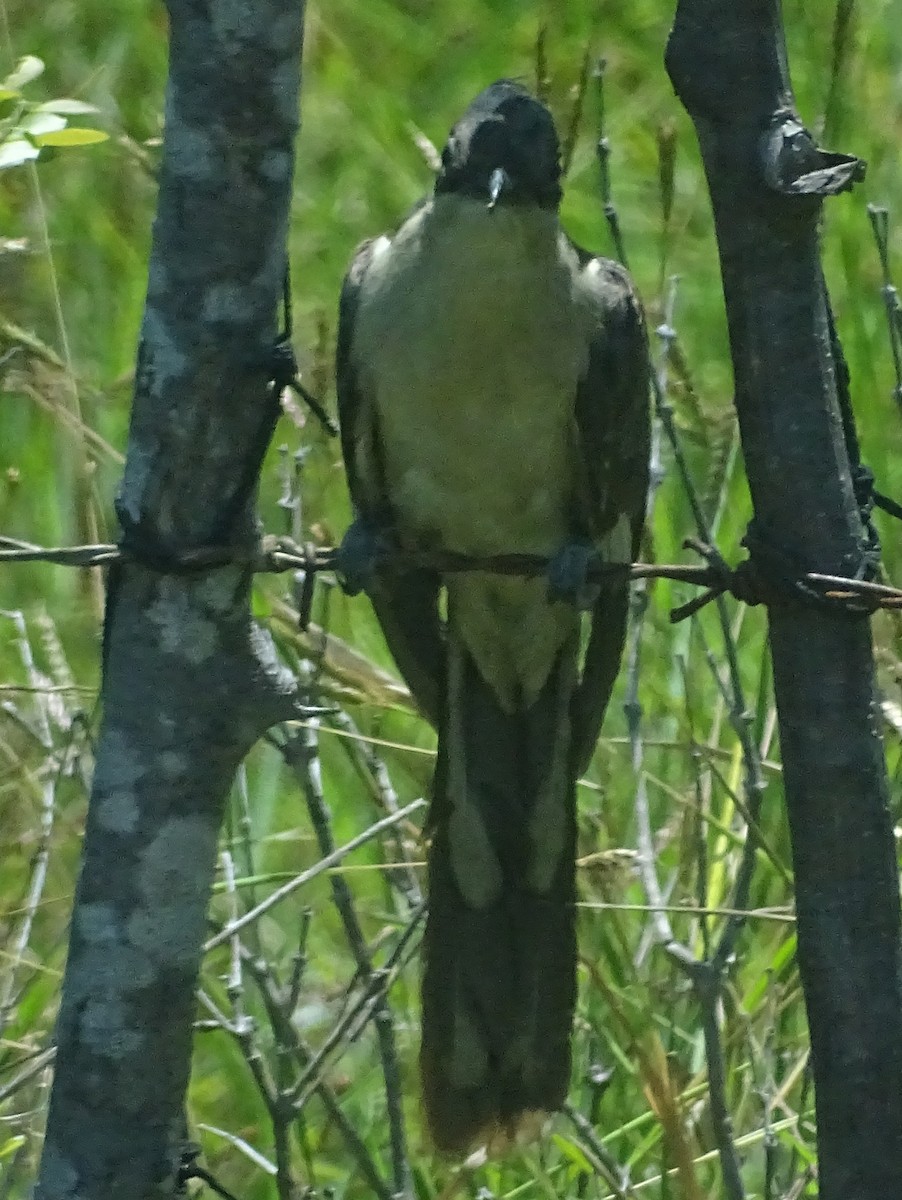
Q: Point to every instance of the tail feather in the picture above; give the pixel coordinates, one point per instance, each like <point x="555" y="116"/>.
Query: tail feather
<point x="499" y="982"/>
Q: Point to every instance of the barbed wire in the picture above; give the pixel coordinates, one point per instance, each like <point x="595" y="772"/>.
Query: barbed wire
<point x="275" y="555"/>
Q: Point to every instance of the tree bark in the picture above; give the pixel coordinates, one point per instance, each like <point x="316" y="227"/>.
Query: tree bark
<point x="727" y="62"/>
<point x="189" y="682"/>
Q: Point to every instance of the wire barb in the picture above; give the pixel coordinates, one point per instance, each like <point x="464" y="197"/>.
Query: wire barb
<point x="284" y="370"/>
<point x="190" y="1169"/>
<point x="285" y="374"/>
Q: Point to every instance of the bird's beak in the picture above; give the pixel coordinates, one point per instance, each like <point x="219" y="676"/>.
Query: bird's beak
<point x="499" y="181"/>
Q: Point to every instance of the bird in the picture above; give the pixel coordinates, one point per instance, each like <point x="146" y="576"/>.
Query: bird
<point x="492" y="382"/>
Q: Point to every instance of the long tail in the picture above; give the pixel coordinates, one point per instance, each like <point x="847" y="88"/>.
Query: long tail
<point x="499" y="983"/>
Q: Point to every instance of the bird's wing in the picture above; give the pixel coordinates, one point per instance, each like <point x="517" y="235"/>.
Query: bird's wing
<point x="613" y="422"/>
<point x="405" y="600"/>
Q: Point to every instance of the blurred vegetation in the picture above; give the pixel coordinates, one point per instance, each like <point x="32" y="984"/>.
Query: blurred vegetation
<point x="27" y="127"/>
<point x="74" y="234"/>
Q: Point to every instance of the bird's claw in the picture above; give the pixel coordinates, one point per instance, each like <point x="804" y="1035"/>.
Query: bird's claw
<point x="357" y="558"/>
<point x="568" y="575"/>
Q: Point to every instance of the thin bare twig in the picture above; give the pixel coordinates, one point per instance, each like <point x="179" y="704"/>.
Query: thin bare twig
<point x="243" y="1030"/>
<point x="358" y="1014"/>
<point x="706" y="978"/>
<point x="362" y="753"/>
<point x="301" y="751"/>
<point x="331" y="860"/>
<point x="603" y="154"/>
<point x="286" y="1033"/>
<point x="613" y="1172"/>
<point x="879" y="217"/>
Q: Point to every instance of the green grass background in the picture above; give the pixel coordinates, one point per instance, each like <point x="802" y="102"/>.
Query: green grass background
<point x="375" y="75"/>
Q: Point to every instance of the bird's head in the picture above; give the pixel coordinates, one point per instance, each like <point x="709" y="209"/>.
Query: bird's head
<point x="503" y="150"/>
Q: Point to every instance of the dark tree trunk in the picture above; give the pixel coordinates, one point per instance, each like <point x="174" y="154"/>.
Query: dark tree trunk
<point x="767" y="179"/>
<point x="189" y="682"/>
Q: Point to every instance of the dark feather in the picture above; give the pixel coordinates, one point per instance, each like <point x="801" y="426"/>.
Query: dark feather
<point x="405" y="601"/>
<point x="612" y="413"/>
<point x="499" y="984"/>
<point x="349" y="395"/>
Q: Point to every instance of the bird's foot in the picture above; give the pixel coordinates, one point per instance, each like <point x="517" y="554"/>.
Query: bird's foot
<point x="568" y="575"/>
<point x="357" y="558"/>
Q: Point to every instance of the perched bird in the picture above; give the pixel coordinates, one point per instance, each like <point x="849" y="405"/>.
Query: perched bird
<point x="493" y="397"/>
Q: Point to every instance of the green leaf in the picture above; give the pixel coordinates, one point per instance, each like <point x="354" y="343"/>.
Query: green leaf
<point x="11" y="1145"/>
<point x="17" y="151"/>
<point x="72" y="137"/>
<point x="571" y="1151"/>
<point x="261" y="605"/>
<point x="8" y="94"/>
<point x="25" y="70"/>
<point x="68" y="107"/>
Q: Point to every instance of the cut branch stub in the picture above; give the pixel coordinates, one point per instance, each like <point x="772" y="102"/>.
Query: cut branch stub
<point x="794" y="165"/>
